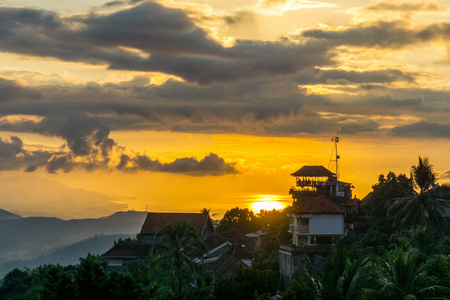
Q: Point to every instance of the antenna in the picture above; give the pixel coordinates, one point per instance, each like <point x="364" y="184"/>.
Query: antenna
<point x="335" y="162"/>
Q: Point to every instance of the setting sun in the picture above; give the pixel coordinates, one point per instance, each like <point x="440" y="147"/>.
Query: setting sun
<point x="267" y="202"/>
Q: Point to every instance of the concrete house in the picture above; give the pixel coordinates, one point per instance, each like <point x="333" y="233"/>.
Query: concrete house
<point x="226" y="253"/>
<point x="322" y="212"/>
<point x="316" y="221"/>
<point x="126" y="255"/>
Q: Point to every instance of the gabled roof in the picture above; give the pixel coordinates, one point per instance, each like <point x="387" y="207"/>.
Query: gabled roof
<point x="156" y="221"/>
<point x="215" y="240"/>
<point x="313" y="171"/>
<point x="128" y="250"/>
<point x="318" y="205"/>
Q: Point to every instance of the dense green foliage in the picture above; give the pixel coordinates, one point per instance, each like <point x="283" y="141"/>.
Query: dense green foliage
<point x="248" y="283"/>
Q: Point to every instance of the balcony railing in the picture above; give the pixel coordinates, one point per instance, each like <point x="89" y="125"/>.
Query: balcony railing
<point x="299" y="229"/>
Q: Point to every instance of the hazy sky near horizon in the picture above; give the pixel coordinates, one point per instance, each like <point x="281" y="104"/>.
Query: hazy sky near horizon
<point x="180" y="105"/>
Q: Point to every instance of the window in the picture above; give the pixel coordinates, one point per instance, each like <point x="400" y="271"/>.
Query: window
<point x="303" y="222"/>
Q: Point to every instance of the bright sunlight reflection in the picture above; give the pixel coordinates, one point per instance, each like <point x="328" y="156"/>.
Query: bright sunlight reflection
<point x="266" y="202"/>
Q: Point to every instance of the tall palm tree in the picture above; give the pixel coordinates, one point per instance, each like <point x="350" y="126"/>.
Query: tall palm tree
<point x="425" y="207"/>
<point x="423" y="176"/>
<point x="179" y="242"/>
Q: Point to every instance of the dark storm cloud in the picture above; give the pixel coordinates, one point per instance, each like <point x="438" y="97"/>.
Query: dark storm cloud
<point x="13" y="156"/>
<point x="211" y="164"/>
<point x="166" y="40"/>
<point x="43" y="33"/>
<point x="9" y="91"/>
<point x="148" y="27"/>
<point x="381" y="34"/>
<point x="265" y="106"/>
<point x="423" y="129"/>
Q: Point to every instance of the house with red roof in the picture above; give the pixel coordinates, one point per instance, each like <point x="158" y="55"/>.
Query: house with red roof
<point x="156" y="221"/>
<point x="226" y="252"/>
<point x="322" y="212"/>
<point x="126" y="255"/>
<point x="315" y="221"/>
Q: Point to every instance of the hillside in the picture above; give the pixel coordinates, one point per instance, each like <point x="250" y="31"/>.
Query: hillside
<point x="28" y="238"/>
<point x="6" y="215"/>
<point x="68" y="255"/>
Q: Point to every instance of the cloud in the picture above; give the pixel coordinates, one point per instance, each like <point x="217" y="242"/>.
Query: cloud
<point x="405" y="6"/>
<point x="262" y="106"/>
<point x="381" y="34"/>
<point x="347" y="77"/>
<point x="279" y="7"/>
<point x="10" y="91"/>
<point x="423" y="129"/>
<point x="445" y="175"/>
<point x="355" y="127"/>
<point x="211" y="164"/>
<point x="13" y="156"/>
<point x="153" y="38"/>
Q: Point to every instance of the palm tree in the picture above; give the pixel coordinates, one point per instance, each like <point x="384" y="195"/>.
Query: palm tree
<point x="425" y="207"/>
<point x="205" y="210"/>
<point x="342" y="278"/>
<point x="420" y="244"/>
<point x="179" y="242"/>
<point x="399" y="277"/>
<point x="422" y="174"/>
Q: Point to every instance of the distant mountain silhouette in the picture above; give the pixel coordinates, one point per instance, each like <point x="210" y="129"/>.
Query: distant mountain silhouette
<point x="6" y="215"/>
<point x="29" y="195"/>
<point x="28" y="238"/>
<point x="68" y="255"/>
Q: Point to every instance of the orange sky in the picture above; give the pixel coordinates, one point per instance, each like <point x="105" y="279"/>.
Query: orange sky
<point x="180" y="105"/>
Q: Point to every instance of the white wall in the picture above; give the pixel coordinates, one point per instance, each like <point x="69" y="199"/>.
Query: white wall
<point x="326" y="224"/>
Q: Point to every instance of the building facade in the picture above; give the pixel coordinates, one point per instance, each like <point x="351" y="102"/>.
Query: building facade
<point x="322" y="212"/>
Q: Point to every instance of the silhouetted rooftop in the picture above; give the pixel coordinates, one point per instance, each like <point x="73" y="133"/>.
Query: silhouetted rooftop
<point x="128" y="250"/>
<point x="313" y="171"/>
<point x="156" y="221"/>
<point x="318" y="205"/>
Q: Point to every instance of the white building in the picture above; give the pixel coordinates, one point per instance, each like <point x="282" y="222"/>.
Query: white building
<point x="316" y="221"/>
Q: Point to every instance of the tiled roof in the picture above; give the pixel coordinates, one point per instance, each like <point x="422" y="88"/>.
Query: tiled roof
<point x="241" y="252"/>
<point x="215" y="240"/>
<point x="128" y="250"/>
<point x="235" y="236"/>
<point x="318" y="205"/>
<point x="156" y="221"/>
<point x="352" y="202"/>
<point x="313" y="171"/>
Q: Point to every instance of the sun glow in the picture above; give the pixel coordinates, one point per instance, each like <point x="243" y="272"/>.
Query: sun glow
<point x="267" y="202"/>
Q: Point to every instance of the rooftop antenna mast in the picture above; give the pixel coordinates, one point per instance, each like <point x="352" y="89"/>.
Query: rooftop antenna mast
<point x="335" y="162"/>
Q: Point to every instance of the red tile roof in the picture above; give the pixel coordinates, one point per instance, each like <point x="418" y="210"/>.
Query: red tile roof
<point x="128" y="250"/>
<point x="318" y="205"/>
<point x="156" y="221"/>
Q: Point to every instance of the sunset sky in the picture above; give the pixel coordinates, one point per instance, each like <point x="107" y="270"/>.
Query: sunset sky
<point x="180" y="105"/>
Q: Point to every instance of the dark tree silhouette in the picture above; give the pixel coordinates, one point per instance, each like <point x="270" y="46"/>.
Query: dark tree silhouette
<point x="178" y="242"/>
<point x="425" y="207"/>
